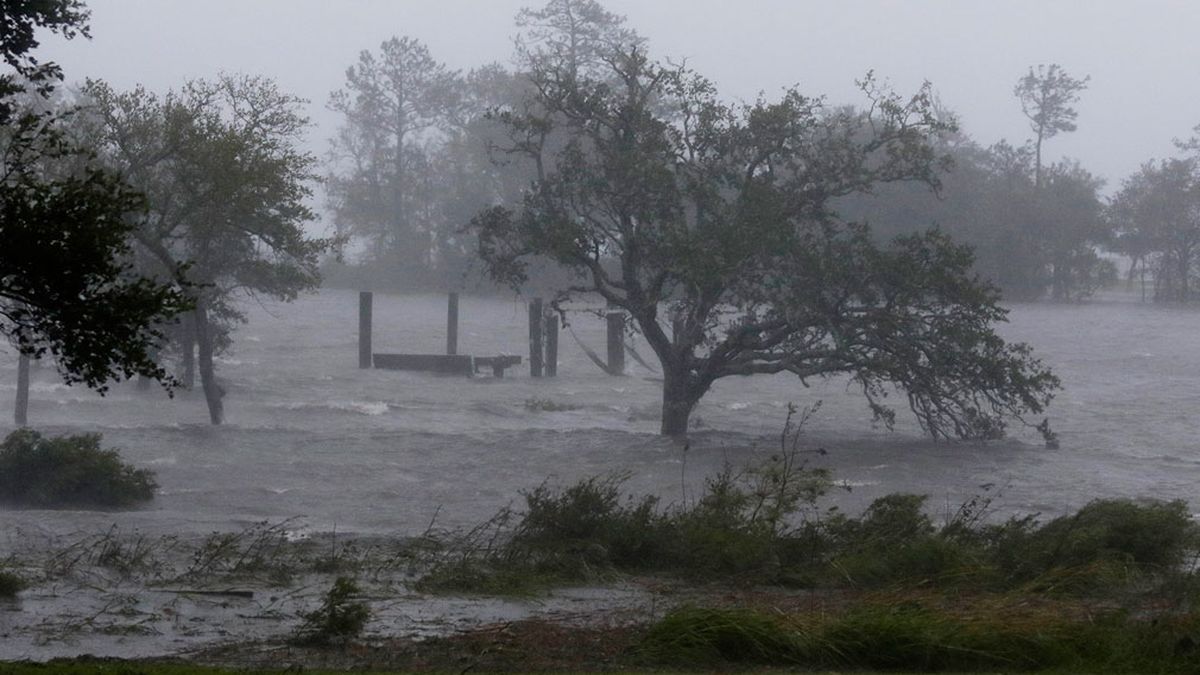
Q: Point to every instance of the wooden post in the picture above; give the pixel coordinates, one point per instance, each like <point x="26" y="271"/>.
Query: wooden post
<point x="616" y="343"/>
<point x="552" y="345"/>
<point x="452" y="325"/>
<point x="535" y="338"/>
<point x="364" y="328"/>
<point x="21" y="414"/>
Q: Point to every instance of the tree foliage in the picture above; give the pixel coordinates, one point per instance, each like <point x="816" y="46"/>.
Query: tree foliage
<point x="227" y="189"/>
<point x="1047" y="95"/>
<point x="378" y="191"/>
<point x="714" y="226"/>
<point x="67" y="286"/>
<point x="1031" y="241"/>
<point x="1157" y="219"/>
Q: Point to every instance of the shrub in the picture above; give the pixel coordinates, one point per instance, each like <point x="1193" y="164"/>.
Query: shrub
<point x="68" y="471"/>
<point x="10" y="584"/>
<point x="1146" y="534"/>
<point x="339" y="618"/>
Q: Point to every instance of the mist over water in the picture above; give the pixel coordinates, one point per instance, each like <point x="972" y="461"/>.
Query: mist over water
<point x="311" y="437"/>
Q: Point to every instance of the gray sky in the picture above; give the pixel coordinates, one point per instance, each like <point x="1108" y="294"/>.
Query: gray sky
<point x="1143" y="57"/>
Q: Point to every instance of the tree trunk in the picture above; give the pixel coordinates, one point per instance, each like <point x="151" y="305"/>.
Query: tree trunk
<point x="208" y="379"/>
<point x="21" y="411"/>
<point x="678" y="403"/>
<point x="188" y="349"/>
<point x="1184" y="268"/>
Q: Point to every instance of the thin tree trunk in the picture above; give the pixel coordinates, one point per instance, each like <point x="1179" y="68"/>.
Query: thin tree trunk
<point x="208" y="380"/>
<point x="1184" y="268"/>
<point x="188" y="349"/>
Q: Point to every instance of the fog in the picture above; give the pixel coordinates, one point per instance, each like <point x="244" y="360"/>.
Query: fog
<point x="1143" y="93"/>
<point x="380" y="329"/>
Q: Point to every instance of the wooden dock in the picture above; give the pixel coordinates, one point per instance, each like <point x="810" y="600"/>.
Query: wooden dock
<point x="446" y="364"/>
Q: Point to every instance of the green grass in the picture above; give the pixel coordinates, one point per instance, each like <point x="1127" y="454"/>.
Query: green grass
<point x="913" y="637"/>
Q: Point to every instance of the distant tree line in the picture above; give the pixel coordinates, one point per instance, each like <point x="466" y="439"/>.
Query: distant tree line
<point x="421" y="149"/>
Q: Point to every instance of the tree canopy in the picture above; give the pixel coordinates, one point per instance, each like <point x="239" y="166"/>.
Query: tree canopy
<point x="67" y="283"/>
<point x="227" y="189"/>
<point x="714" y="226"/>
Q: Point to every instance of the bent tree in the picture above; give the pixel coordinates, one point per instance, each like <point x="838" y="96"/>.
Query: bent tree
<point x="711" y="225"/>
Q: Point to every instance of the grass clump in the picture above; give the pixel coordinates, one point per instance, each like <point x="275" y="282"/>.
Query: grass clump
<point x="66" y="471"/>
<point x="11" y="584"/>
<point x="339" y="619"/>
<point x="700" y="637"/>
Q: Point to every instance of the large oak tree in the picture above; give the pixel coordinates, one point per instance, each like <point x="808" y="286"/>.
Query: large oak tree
<point x="712" y="225"/>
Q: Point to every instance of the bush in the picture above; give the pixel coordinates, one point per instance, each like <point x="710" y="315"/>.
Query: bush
<point x="1145" y="534"/>
<point x="68" y="471"/>
<point x="10" y="584"/>
<point x="340" y="618"/>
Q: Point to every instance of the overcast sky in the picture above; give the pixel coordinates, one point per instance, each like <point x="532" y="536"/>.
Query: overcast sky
<point x="1143" y="57"/>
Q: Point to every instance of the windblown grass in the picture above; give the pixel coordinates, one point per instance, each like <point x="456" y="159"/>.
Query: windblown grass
<point x="913" y="637"/>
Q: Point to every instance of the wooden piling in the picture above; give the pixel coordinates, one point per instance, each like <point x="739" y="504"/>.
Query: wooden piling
<point x="365" y="299"/>
<point x="21" y="413"/>
<point x="535" y="338"/>
<point x="616" y="343"/>
<point x="452" y="325"/>
<point x="552" y="345"/>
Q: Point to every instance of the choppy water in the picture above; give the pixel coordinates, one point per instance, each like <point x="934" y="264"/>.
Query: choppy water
<point x="311" y="435"/>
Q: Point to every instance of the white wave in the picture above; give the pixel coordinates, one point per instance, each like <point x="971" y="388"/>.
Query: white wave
<point x="45" y="387"/>
<point x="856" y="483"/>
<point x="739" y="405"/>
<point x="361" y="407"/>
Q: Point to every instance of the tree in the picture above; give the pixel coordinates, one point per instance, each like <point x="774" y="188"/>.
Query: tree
<point x="1046" y="95"/>
<point x="713" y="226"/>
<point x="391" y="103"/>
<point x="1071" y="209"/>
<point x="1157" y="211"/>
<point x="227" y="189"/>
<point x="574" y="35"/>
<point x="67" y="287"/>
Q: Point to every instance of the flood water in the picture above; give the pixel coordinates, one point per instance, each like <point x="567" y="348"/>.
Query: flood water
<point x="311" y="437"/>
